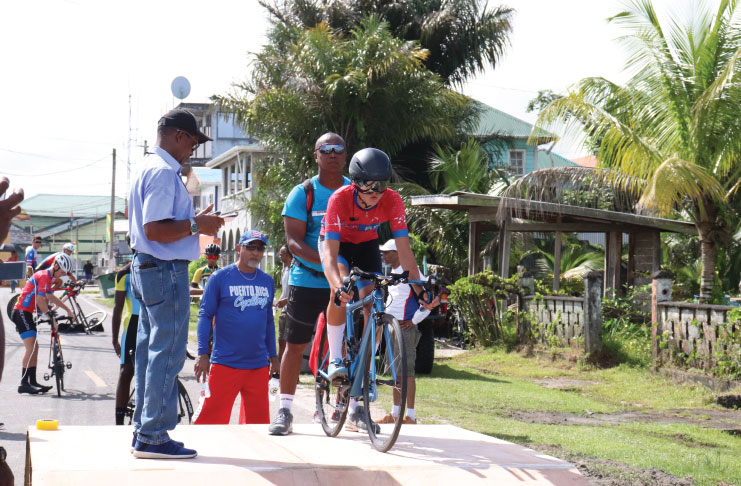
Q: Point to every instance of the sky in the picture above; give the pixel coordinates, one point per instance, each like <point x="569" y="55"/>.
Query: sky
<point x="82" y="77"/>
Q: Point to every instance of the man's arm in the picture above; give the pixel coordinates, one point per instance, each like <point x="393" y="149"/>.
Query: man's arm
<point x="118" y="305"/>
<point x="270" y="337"/>
<point x="169" y="230"/>
<point x="9" y="208"/>
<point x="54" y="299"/>
<point x="295" y="234"/>
<point x="2" y="347"/>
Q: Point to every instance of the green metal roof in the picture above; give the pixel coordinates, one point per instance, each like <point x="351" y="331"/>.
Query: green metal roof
<point x="546" y="160"/>
<point x="494" y="122"/>
<point x="66" y="206"/>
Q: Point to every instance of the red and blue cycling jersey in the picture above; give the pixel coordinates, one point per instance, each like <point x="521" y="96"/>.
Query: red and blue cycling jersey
<point x="38" y="284"/>
<point x="347" y="221"/>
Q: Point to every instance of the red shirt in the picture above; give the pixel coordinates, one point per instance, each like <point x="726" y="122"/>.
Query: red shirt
<point x="346" y="221"/>
<point x="39" y="284"/>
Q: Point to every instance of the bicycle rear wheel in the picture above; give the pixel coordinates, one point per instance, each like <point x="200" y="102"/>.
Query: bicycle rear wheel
<point x="11" y="304"/>
<point x="389" y="380"/>
<point x="331" y="402"/>
<point x="185" y="407"/>
<point x="94" y="321"/>
<point x="58" y="366"/>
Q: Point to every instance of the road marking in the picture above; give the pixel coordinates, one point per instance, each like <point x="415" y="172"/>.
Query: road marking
<point x="95" y="379"/>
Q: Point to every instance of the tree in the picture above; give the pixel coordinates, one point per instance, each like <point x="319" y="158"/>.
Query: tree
<point x="673" y="132"/>
<point x="462" y="37"/>
<point x="368" y="86"/>
<point x="446" y="232"/>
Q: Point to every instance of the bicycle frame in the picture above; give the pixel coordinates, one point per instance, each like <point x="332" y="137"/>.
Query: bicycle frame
<point x="368" y="338"/>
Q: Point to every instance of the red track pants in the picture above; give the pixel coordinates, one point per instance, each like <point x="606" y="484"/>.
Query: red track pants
<point x="225" y="383"/>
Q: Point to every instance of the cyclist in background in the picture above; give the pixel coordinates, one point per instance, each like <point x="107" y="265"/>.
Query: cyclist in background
<point x="37" y="292"/>
<point x="32" y="255"/>
<point x="47" y="262"/>
<point x="349" y="238"/>
<point x="124" y="301"/>
<point x="202" y="274"/>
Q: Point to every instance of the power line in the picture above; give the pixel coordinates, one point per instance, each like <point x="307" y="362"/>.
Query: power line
<point x="35" y="174"/>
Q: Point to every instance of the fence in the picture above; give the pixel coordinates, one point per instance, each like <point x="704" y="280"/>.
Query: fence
<point x="568" y="321"/>
<point x="700" y="335"/>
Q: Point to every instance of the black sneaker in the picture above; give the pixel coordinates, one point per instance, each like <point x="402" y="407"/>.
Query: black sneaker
<point x="282" y="425"/>
<point x="42" y="388"/>
<point x="356" y="421"/>
<point x="28" y="388"/>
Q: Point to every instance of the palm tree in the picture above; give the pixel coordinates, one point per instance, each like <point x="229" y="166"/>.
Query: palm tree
<point x="673" y="131"/>
<point x="452" y="169"/>
<point x="462" y="36"/>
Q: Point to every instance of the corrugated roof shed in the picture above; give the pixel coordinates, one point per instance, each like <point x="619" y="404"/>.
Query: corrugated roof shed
<point x="64" y="205"/>
<point x="496" y="122"/>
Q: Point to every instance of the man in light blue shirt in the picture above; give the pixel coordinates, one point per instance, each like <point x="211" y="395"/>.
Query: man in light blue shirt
<point x="164" y="235"/>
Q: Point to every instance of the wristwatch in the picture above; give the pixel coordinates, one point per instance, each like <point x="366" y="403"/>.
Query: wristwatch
<point x="193" y="226"/>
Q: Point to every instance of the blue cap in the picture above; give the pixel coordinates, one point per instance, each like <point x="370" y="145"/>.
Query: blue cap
<point x="252" y="235"/>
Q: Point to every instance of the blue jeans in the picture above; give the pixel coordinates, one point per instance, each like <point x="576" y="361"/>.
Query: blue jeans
<point x="162" y="288"/>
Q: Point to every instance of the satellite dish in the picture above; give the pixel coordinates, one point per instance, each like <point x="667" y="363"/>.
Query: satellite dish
<point x="180" y="87"/>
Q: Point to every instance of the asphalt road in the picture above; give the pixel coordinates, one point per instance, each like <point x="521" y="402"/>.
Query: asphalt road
<point x="90" y="385"/>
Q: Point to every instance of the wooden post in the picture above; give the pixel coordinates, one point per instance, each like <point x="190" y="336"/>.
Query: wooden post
<point x="557" y="262"/>
<point x="505" y="243"/>
<point x="661" y="291"/>
<point x="473" y="246"/>
<point x="593" y="312"/>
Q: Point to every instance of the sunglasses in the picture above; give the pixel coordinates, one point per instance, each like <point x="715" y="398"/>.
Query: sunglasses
<point x="254" y="247"/>
<point x="327" y="149"/>
<point x="196" y="144"/>
<point x="369" y="187"/>
<point x="211" y="257"/>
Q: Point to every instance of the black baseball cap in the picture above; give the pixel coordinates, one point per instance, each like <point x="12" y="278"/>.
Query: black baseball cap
<point x="183" y="120"/>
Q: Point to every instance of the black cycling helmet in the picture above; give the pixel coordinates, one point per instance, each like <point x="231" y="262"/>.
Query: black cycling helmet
<point x="213" y="249"/>
<point x="370" y="164"/>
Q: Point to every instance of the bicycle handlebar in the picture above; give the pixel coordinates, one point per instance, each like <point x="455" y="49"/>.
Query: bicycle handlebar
<point x="431" y="285"/>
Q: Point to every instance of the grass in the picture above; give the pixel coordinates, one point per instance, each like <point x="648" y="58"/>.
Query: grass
<point x="483" y="390"/>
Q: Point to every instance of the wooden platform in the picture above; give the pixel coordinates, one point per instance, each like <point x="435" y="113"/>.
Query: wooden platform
<point x="426" y="455"/>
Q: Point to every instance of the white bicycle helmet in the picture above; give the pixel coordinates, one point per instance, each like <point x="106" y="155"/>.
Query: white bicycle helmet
<point x="69" y="246"/>
<point x="64" y="261"/>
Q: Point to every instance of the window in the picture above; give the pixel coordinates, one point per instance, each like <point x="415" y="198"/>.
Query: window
<point x="517" y="161"/>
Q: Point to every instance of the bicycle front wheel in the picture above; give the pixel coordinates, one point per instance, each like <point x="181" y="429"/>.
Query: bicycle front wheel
<point x="94" y="321"/>
<point x="331" y="404"/>
<point x="387" y="384"/>
<point x="185" y="407"/>
<point x="58" y="366"/>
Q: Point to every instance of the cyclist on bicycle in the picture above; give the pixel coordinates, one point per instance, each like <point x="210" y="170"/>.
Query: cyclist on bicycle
<point x="126" y="303"/>
<point x="349" y="238"/>
<point x="202" y="274"/>
<point x="47" y="262"/>
<point x="37" y="292"/>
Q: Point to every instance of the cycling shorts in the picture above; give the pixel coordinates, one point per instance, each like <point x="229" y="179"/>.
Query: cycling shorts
<point x="303" y="309"/>
<point x="128" y="341"/>
<point x="366" y="256"/>
<point x="24" y="323"/>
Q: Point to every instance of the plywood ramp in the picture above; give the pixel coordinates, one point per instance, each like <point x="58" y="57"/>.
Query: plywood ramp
<point x="426" y="455"/>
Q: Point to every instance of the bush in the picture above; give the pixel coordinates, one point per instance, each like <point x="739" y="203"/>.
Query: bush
<point x="475" y="297"/>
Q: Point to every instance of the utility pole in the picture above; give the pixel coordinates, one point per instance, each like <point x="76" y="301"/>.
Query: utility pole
<point x="111" y="262"/>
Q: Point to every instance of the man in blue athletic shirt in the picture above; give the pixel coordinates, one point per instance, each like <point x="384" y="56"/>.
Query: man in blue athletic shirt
<point x="309" y="293"/>
<point x="238" y="300"/>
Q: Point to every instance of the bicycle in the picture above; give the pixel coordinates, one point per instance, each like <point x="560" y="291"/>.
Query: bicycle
<point x="366" y="371"/>
<point x="57" y="365"/>
<point x="185" y="406"/>
<point x="89" y="322"/>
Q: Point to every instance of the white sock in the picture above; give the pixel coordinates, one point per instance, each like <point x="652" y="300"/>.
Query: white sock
<point x="353" y="404"/>
<point x="410" y="413"/>
<point x="334" y="336"/>
<point x="286" y="400"/>
<point x="395" y="410"/>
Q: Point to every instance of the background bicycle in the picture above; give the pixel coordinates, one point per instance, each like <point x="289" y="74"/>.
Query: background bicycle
<point x="57" y="365"/>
